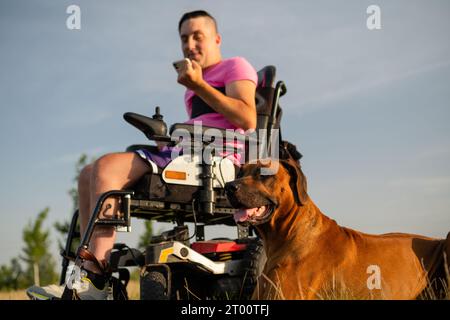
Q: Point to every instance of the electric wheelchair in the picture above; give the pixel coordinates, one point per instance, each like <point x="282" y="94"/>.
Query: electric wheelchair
<point x="187" y="190"/>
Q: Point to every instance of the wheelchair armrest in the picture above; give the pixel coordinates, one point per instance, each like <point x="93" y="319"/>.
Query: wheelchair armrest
<point x="153" y="129"/>
<point x="208" y="133"/>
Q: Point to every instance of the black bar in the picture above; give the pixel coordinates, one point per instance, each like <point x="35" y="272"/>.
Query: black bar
<point x="280" y="90"/>
<point x="93" y="220"/>
<point x="111" y="222"/>
<point x="69" y="241"/>
<point x="126" y="211"/>
<point x="94" y="217"/>
<point x="207" y="192"/>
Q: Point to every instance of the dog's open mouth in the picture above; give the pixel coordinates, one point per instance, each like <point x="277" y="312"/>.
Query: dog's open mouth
<point x="252" y="215"/>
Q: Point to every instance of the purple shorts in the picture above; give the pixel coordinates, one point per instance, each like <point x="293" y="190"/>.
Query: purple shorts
<point x="164" y="156"/>
<point x="161" y="158"/>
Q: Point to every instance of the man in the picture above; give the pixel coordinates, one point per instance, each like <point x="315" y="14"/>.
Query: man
<point x="220" y="93"/>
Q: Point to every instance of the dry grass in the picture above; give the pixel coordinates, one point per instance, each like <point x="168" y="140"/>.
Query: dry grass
<point x="133" y="290"/>
<point x="133" y="293"/>
<point x="333" y="292"/>
<point x="337" y="290"/>
<point x="13" y="295"/>
<point x="274" y="291"/>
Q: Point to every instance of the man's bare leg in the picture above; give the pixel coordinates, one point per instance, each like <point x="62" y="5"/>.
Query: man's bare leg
<point x="115" y="171"/>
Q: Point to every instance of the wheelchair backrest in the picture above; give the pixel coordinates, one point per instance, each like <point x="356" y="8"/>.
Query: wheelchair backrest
<point x="264" y="98"/>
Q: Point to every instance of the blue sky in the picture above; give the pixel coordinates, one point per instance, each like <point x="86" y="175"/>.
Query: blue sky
<point x="369" y="110"/>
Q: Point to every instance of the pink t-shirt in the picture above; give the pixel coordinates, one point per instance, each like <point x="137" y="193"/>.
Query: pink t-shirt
<point x="219" y="75"/>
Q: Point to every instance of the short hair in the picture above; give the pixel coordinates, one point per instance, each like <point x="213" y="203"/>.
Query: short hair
<point x="196" y="14"/>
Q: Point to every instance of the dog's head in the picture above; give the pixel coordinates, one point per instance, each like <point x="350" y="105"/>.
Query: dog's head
<point x="257" y="196"/>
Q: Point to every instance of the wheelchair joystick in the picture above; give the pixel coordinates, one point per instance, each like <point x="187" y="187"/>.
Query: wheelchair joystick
<point x="154" y="128"/>
<point x="157" y="115"/>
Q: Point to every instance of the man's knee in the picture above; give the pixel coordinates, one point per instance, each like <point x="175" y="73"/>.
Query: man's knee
<point x="104" y="167"/>
<point x="119" y="167"/>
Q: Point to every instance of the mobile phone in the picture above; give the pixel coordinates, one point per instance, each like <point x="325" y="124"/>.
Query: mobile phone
<point x="180" y="64"/>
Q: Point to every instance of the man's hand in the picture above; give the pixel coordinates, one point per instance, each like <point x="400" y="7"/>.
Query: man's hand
<point x="237" y="105"/>
<point x="190" y="75"/>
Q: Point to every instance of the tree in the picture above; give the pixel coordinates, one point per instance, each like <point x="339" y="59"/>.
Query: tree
<point x="12" y="277"/>
<point x="63" y="228"/>
<point x="145" y="238"/>
<point x="40" y="264"/>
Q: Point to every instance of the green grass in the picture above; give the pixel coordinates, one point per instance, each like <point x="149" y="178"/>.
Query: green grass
<point x="337" y="290"/>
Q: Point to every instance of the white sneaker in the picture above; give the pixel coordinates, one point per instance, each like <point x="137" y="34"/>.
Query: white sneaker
<point x="49" y="292"/>
<point x="78" y="281"/>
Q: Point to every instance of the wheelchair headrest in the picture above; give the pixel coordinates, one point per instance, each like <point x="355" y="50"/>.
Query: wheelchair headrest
<point x="266" y="77"/>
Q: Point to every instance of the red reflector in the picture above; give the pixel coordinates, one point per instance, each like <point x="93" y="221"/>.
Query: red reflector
<point x="217" y="246"/>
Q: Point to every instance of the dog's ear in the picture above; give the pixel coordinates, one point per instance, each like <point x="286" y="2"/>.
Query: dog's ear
<point x="297" y="180"/>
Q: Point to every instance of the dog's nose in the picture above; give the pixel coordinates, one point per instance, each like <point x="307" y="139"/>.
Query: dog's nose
<point x="231" y="187"/>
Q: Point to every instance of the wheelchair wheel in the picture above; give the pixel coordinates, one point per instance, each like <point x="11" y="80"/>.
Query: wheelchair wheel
<point x="242" y="287"/>
<point x="226" y="288"/>
<point x="254" y="261"/>
<point x="153" y="286"/>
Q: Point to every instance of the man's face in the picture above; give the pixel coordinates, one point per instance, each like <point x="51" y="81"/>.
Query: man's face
<point x="200" y="41"/>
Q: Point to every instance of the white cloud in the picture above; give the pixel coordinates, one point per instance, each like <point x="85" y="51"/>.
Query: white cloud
<point x="342" y="59"/>
<point x="441" y="151"/>
<point x="367" y="83"/>
<point x="428" y="185"/>
<point x="72" y="157"/>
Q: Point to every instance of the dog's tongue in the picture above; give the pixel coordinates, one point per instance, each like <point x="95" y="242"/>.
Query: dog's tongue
<point x="242" y="215"/>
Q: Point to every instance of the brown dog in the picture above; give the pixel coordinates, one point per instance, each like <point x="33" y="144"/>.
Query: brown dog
<point x="309" y="256"/>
